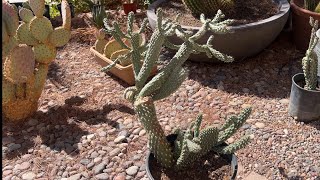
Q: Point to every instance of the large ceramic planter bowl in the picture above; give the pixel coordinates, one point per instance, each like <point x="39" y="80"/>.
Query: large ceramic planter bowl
<point x="247" y="40"/>
<point x="304" y="104"/>
<point x="301" y="29"/>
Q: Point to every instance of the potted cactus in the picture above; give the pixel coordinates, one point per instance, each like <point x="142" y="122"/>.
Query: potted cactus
<point x="245" y="41"/>
<point x="106" y="53"/>
<point x="179" y="151"/>
<point x="27" y="51"/>
<point x="305" y="89"/>
<point x="302" y="10"/>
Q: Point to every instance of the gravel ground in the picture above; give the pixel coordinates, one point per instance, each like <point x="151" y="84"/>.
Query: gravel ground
<point x="84" y="129"/>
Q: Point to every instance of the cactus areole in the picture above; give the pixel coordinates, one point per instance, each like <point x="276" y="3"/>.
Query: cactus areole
<point x="194" y="142"/>
<point x="27" y="50"/>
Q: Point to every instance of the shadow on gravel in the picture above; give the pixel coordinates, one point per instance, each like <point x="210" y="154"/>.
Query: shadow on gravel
<point x="315" y="124"/>
<point x="285" y="175"/>
<point x="58" y="129"/>
<point x="267" y="74"/>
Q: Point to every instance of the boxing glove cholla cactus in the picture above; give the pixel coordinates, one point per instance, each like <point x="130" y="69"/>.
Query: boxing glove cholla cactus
<point x="208" y="7"/>
<point x="310" y="61"/>
<point x="28" y="50"/>
<point x="193" y="143"/>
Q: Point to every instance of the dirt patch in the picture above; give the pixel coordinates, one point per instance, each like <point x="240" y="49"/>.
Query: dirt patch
<point x="211" y="166"/>
<point x="246" y="11"/>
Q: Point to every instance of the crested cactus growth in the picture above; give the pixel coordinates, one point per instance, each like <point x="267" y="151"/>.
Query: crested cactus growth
<point x="192" y="143"/>
<point x="28" y="50"/>
<point x="208" y="7"/>
<point x="310" y="61"/>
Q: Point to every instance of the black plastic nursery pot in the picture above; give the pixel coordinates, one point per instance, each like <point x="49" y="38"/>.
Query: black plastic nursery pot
<point x="304" y="104"/>
<point x="71" y="9"/>
<point x="231" y="158"/>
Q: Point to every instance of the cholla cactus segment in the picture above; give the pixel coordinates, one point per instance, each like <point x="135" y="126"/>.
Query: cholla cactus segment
<point x="209" y="7"/>
<point x="28" y="49"/>
<point x="230" y="149"/>
<point x="310" y="61"/>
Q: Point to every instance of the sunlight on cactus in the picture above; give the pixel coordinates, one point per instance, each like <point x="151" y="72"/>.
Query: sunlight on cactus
<point x="192" y="143"/>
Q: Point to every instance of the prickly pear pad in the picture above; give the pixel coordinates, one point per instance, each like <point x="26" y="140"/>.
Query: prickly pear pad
<point x="20" y="64"/>
<point x="40" y="28"/>
<point x="37" y="7"/>
<point x="25" y="36"/>
<point x="44" y="53"/>
<point x="59" y="37"/>
<point x="26" y="15"/>
<point x="100" y="44"/>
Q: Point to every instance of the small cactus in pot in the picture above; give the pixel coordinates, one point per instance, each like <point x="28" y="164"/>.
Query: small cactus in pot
<point x="29" y="48"/>
<point x="194" y="142"/>
<point x="310" y="60"/>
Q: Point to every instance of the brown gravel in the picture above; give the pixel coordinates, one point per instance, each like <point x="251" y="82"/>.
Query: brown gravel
<point x="82" y="112"/>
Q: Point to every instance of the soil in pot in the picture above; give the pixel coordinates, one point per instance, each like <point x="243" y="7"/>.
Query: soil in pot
<point x="246" y="11"/>
<point x="211" y="166"/>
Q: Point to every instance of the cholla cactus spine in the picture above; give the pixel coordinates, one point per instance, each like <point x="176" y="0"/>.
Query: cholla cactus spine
<point x="310" y="61"/>
<point x="27" y="53"/>
<point x="193" y="143"/>
<point x="208" y="7"/>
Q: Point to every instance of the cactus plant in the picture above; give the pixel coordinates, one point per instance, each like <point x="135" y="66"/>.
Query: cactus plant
<point x="311" y="5"/>
<point x="192" y="143"/>
<point x="310" y="60"/>
<point x="208" y="7"/>
<point x="28" y="50"/>
<point x="98" y="14"/>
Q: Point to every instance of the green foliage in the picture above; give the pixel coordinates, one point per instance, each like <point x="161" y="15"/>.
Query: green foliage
<point x="98" y="14"/>
<point x="317" y="10"/>
<point x="208" y="7"/>
<point x="310" y="61"/>
<point x="192" y="143"/>
<point x="311" y="5"/>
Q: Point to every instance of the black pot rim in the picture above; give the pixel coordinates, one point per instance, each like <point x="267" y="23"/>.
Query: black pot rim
<point x="232" y="158"/>
<point x="296" y="79"/>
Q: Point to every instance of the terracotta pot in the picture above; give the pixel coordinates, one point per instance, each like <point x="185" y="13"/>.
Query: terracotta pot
<point x="123" y="72"/>
<point x="301" y="28"/>
<point x="128" y="7"/>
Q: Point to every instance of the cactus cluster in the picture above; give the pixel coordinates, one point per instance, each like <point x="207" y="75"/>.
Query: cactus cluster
<point x="28" y="49"/>
<point x="312" y="5"/>
<point x="192" y="143"/>
<point x="98" y="14"/>
<point x="208" y="7"/>
<point x="310" y="60"/>
<point x="112" y="49"/>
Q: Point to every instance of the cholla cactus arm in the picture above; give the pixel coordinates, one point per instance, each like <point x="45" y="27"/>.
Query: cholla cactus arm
<point x="197" y="125"/>
<point x="158" y="143"/>
<point x="234" y="126"/>
<point x="231" y="148"/>
<point x="229" y="122"/>
<point x="170" y="45"/>
<point x="310" y="61"/>
<point x="172" y="84"/>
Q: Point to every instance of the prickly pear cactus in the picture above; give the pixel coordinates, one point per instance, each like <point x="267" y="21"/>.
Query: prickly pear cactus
<point x="28" y="49"/>
<point x="192" y="143"/>
<point x="208" y="7"/>
<point x="310" y="61"/>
